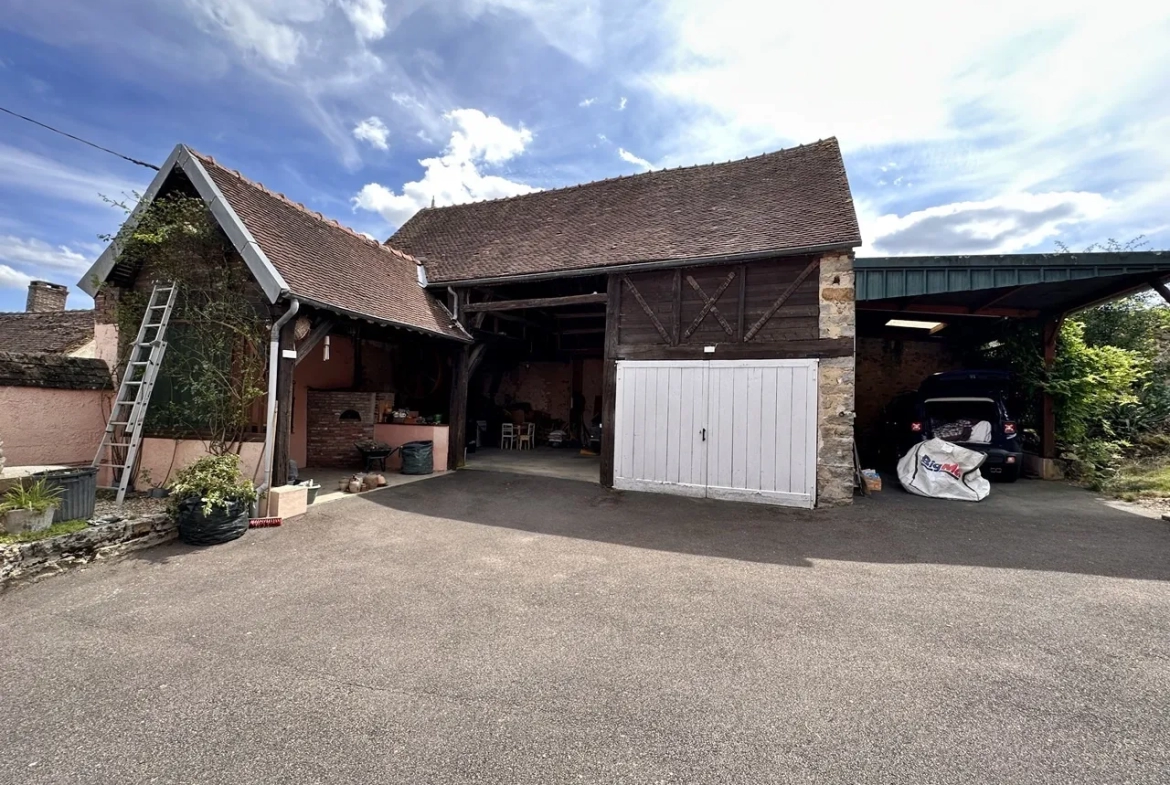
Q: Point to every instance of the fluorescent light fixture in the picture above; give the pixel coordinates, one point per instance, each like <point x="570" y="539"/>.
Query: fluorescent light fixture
<point x="913" y="324"/>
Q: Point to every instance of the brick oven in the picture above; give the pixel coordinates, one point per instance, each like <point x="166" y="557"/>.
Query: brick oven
<point x="336" y="420"/>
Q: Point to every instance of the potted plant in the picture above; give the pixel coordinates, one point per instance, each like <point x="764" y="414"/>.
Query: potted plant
<point x="212" y="500"/>
<point x="157" y="491"/>
<point x="31" y="507"/>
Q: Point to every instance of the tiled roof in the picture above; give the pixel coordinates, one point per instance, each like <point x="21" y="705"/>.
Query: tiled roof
<point x="783" y="201"/>
<point x="56" y="332"/>
<point x="325" y="262"/>
<point x="59" y="371"/>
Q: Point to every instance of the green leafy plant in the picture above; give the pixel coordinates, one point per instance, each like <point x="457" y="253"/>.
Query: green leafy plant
<point x="213" y="374"/>
<point x="38" y="497"/>
<point x="215" y="480"/>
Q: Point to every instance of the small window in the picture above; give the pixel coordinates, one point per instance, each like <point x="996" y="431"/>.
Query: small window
<point x="350" y="415"/>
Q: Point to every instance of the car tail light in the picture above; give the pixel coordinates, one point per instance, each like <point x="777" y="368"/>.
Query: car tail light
<point x="1009" y="428"/>
<point x="916" y="427"/>
<point x="1010" y="459"/>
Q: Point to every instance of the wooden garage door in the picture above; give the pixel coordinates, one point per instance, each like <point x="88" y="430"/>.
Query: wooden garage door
<point x="743" y="430"/>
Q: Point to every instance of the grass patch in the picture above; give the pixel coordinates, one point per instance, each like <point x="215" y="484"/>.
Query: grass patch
<point x="56" y="530"/>
<point x="1143" y="479"/>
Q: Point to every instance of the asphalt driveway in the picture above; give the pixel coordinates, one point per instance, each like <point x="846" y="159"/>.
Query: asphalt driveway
<point x="486" y="627"/>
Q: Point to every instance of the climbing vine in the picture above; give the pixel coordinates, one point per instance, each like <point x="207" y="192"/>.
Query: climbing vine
<point x="213" y="372"/>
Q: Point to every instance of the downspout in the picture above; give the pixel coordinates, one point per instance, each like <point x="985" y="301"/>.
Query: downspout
<point x="273" y="367"/>
<point x="455" y="300"/>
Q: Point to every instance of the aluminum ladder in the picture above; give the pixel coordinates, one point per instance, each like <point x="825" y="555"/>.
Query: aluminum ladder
<point x="123" y="434"/>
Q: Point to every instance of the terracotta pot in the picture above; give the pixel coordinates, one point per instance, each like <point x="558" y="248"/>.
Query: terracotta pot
<point x="355" y="486"/>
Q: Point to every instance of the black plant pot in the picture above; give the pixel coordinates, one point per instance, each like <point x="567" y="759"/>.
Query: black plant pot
<point x="222" y="525"/>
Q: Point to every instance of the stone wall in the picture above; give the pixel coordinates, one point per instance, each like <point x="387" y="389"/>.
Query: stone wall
<point x="30" y="561"/>
<point x="837" y="381"/>
<point x="330" y="439"/>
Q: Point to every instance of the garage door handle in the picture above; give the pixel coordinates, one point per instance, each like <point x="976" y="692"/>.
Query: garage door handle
<point x="704" y="433"/>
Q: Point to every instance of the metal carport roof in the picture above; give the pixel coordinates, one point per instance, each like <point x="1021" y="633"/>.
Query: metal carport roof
<point x="1015" y="285"/>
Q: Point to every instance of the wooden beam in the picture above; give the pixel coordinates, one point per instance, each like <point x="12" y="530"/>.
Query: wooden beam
<point x="475" y="359"/>
<point x="536" y="302"/>
<point x="945" y="310"/>
<point x="709" y="305"/>
<point x="580" y="315"/>
<point x="282" y="439"/>
<point x="676" y="306"/>
<point x="783" y="298"/>
<point x="323" y="328"/>
<point x="742" y="312"/>
<point x="787" y="350"/>
<point x="1050" y="334"/>
<point x="457" y="430"/>
<point x="1115" y="294"/>
<point x="609" y="380"/>
<point x="582" y="331"/>
<point x="1161" y="289"/>
<point x="998" y="298"/>
<point x="646" y="309"/>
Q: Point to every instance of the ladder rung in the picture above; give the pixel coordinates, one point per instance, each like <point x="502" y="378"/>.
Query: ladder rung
<point x="113" y="465"/>
<point x="117" y="444"/>
<point x="141" y="362"/>
<point x="133" y="381"/>
<point x="156" y="324"/>
<point x="156" y="307"/>
<point x="119" y="422"/>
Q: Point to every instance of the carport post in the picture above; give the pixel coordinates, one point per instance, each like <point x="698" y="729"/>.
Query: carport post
<point x="1050" y="332"/>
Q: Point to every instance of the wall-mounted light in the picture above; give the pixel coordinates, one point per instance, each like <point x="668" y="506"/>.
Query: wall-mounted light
<point x="914" y="324"/>
<point x="326" y="348"/>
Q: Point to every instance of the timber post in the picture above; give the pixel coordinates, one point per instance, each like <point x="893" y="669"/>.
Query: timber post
<point x="284" y="407"/>
<point x="609" y="381"/>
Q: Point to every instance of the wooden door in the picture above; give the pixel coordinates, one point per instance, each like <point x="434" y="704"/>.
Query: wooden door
<point x="761" y="443"/>
<point x="660" y="427"/>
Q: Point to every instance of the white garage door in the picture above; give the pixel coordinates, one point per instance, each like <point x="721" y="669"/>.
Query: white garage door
<point x="728" y="429"/>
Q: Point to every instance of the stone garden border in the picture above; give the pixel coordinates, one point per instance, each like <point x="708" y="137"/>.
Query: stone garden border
<point x="30" y="561"/>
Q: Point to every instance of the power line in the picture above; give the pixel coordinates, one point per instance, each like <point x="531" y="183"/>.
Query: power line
<point x="79" y="139"/>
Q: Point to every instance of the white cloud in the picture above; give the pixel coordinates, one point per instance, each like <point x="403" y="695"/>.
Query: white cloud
<point x="479" y="135"/>
<point x="455" y="176"/>
<point x="1004" y="224"/>
<point x="367" y="16"/>
<point x="265" y="29"/>
<point x="31" y="172"/>
<point x="622" y="104"/>
<point x="629" y="157"/>
<point x="914" y="70"/>
<point x="587" y="102"/>
<point x="373" y="131"/>
<point x="13" y="279"/>
<point x="41" y="256"/>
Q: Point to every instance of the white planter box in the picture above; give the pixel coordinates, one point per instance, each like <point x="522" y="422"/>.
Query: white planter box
<point x="17" y="521"/>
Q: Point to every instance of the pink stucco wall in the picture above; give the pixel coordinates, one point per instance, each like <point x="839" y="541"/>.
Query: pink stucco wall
<point x="315" y="371"/>
<point x="398" y="435"/>
<point x="163" y="457"/>
<point x="44" y="426"/>
<point x="336" y="373"/>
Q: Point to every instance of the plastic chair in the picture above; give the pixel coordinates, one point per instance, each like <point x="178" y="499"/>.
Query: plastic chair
<point x="527" y="435"/>
<point x="507" y="436"/>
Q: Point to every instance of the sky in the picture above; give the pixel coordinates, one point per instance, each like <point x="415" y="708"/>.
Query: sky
<point x="994" y="127"/>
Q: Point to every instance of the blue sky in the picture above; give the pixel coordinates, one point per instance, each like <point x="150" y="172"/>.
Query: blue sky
<point x="999" y="130"/>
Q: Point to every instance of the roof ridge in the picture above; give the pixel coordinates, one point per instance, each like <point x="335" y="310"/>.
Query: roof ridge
<point x="298" y="206"/>
<point x="647" y="174"/>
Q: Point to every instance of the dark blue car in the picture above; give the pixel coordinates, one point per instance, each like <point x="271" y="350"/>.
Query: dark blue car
<point x="968" y="408"/>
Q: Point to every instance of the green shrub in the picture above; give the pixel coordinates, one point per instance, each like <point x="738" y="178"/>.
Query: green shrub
<point x="39" y="496"/>
<point x="215" y="480"/>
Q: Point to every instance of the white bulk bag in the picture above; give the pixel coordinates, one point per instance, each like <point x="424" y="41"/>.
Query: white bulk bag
<point x="943" y="470"/>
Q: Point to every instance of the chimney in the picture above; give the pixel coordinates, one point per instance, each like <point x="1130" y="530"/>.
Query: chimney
<point x="44" y="297"/>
